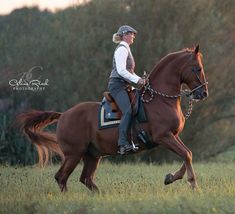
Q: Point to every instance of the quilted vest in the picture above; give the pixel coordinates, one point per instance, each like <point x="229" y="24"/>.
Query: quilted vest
<point x="130" y="65"/>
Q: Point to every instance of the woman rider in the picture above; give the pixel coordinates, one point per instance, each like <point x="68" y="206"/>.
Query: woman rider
<point x="121" y="76"/>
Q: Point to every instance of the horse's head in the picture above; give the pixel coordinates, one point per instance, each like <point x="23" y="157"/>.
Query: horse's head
<point x="193" y="75"/>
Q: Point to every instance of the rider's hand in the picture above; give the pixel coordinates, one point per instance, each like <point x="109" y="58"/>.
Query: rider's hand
<point x="141" y="82"/>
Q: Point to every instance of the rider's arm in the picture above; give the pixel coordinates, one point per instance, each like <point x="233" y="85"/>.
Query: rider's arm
<point x="135" y="74"/>
<point x="121" y="55"/>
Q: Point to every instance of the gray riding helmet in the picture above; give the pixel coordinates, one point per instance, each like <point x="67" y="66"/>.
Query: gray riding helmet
<point x="125" y="29"/>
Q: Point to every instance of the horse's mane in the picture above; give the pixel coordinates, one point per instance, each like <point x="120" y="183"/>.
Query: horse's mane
<point x="191" y="50"/>
<point x="172" y="55"/>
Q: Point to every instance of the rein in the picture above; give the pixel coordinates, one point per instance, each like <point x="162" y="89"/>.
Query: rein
<point x="185" y="92"/>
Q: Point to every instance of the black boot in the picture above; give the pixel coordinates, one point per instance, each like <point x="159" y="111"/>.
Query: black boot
<point x="125" y="149"/>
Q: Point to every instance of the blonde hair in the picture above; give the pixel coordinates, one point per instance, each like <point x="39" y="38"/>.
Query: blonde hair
<point x="116" y="38"/>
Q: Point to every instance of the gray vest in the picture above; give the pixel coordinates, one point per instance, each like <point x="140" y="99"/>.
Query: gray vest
<point x="130" y="65"/>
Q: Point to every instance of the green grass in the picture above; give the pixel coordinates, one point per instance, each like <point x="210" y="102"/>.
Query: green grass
<point x="125" y="188"/>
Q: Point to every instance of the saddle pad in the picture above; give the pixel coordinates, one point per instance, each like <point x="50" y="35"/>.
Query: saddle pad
<point x="106" y="123"/>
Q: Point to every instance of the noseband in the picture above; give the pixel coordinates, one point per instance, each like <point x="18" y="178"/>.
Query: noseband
<point x="186" y="92"/>
<point x="195" y="70"/>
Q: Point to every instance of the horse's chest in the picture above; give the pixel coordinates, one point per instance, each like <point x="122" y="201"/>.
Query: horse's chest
<point x="169" y="121"/>
<point x="176" y="123"/>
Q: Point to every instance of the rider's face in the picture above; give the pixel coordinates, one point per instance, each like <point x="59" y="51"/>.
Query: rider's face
<point x="129" y="37"/>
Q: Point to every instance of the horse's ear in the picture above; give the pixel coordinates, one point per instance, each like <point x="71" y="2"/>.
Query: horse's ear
<point x="196" y="49"/>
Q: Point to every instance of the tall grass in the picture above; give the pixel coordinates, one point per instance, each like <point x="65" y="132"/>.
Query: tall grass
<point x="125" y="188"/>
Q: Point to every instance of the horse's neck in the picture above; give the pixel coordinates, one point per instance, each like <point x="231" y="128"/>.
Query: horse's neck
<point x="165" y="76"/>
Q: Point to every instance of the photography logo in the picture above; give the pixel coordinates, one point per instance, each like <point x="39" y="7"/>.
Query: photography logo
<point x="28" y="82"/>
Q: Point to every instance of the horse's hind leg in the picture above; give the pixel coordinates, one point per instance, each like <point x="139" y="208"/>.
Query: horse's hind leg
<point x="66" y="169"/>
<point x="87" y="176"/>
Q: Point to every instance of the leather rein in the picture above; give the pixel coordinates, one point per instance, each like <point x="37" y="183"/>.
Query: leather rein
<point x="183" y="93"/>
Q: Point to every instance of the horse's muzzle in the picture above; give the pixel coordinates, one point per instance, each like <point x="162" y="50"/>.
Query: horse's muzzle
<point x="200" y="94"/>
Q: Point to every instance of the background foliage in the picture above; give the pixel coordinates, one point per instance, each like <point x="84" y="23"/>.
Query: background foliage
<point x="74" y="48"/>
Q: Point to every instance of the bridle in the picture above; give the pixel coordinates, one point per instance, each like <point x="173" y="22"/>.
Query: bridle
<point x="195" y="70"/>
<point x="183" y="93"/>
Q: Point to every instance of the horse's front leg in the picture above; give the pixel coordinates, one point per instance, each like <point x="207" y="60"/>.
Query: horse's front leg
<point x="179" y="174"/>
<point x="171" y="142"/>
<point x="171" y="177"/>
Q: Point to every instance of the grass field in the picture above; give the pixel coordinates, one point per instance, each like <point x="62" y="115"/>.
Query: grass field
<point x="125" y="188"/>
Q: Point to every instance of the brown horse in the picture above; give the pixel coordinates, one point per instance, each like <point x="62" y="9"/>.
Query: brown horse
<point x="78" y="137"/>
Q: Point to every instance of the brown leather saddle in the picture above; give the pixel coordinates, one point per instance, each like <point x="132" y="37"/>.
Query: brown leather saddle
<point x="109" y="114"/>
<point x="114" y="106"/>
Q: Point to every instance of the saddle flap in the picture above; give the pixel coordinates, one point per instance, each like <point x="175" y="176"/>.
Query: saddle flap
<point x="112" y="102"/>
<point x="108" y="96"/>
<point x="108" y="112"/>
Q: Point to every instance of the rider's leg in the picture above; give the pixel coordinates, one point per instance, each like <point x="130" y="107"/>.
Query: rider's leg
<point x="123" y="101"/>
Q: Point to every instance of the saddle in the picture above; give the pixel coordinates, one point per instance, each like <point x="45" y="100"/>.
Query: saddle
<point x="133" y="96"/>
<point x="109" y="114"/>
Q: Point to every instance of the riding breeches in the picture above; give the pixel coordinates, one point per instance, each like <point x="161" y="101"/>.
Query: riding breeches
<point x="120" y="95"/>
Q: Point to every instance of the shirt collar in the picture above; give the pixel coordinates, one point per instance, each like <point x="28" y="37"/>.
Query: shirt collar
<point x="125" y="44"/>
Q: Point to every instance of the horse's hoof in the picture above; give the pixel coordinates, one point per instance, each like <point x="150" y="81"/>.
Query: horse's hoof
<point x="169" y="179"/>
<point x="95" y="190"/>
<point x="195" y="187"/>
<point x="63" y="188"/>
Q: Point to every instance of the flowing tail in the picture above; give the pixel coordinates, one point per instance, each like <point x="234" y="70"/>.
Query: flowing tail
<point x="32" y="123"/>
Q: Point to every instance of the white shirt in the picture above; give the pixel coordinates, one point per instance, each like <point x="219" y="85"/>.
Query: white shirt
<point x="120" y="56"/>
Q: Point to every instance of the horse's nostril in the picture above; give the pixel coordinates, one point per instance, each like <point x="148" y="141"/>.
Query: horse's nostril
<point x="204" y="94"/>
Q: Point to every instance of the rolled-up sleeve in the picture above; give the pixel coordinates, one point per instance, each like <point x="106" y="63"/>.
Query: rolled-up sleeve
<point x="120" y="56"/>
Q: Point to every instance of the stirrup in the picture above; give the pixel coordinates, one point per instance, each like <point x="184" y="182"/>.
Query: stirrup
<point x="135" y="147"/>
